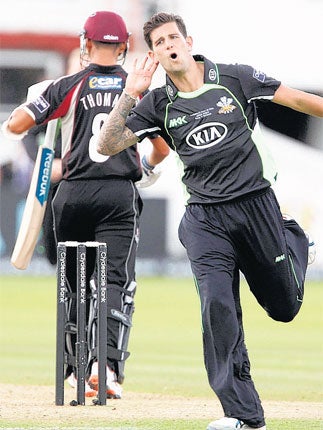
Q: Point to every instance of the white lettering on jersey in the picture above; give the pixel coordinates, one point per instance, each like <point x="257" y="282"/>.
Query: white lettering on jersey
<point x="99" y="99"/>
<point x="96" y="126"/>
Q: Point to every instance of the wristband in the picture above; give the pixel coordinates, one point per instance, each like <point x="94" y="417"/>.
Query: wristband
<point x="145" y="164"/>
<point x="128" y="95"/>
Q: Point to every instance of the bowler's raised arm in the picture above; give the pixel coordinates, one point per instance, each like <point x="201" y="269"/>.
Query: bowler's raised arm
<point x="114" y="136"/>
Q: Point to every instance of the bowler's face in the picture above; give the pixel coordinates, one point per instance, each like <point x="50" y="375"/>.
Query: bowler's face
<point x="170" y="47"/>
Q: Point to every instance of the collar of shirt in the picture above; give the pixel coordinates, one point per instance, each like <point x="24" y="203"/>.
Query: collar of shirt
<point x="211" y="76"/>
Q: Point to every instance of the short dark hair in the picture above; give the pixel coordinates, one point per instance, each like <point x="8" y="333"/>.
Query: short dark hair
<point x="159" y="19"/>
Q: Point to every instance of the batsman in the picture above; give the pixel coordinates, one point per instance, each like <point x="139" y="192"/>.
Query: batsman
<point x="97" y="198"/>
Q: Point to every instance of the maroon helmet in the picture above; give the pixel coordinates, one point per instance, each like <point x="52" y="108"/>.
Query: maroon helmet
<point x="104" y="26"/>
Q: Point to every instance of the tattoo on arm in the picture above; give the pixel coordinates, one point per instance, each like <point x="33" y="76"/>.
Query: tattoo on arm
<point x="114" y="135"/>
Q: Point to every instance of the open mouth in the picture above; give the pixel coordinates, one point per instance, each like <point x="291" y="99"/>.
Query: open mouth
<point x="173" y="56"/>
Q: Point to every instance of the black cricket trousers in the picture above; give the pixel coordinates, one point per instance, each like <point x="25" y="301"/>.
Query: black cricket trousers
<point x="247" y="235"/>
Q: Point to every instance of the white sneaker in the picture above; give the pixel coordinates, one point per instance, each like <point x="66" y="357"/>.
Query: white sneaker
<point x="227" y="423"/>
<point x="89" y="392"/>
<point x="114" y="389"/>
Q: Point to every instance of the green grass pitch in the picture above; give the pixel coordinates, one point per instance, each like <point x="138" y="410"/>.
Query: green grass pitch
<point x="165" y="344"/>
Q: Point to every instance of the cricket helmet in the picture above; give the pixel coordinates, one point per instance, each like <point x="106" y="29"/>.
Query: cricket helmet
<point x="104" y="26"/>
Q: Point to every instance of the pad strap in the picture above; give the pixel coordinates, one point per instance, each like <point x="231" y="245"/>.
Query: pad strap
<point x="113" y="354"/>
<point x="123" y="290"/>
<point x="119" y="316"/>
<point x="70" y="359"/>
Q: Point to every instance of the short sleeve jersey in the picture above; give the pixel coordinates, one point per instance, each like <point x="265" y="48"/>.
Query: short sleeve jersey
<point x="83" y="101"/>
<point x="214" y="130"/>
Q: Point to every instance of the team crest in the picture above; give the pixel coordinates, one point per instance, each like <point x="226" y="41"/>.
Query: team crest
<point x="170" y="91"/>
<point x="225" y="105"/>
<point x="212" y="75"/>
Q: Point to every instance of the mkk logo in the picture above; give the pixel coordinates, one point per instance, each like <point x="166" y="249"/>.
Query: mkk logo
<point x="177" y="122"/>
<point x="280" y="258"/>
<point x="207" y="135"/>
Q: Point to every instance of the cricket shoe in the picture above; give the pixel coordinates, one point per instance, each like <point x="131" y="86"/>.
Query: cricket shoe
<point x="227" y="423"/>
<point x="89" y="392"/>
<point x="114" y="389"/>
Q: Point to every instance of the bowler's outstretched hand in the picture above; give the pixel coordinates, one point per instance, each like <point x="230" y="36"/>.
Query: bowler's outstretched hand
<point x="140" y="77"/>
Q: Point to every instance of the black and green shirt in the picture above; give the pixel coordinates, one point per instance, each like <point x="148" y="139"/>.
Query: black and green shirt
<point x="214" y="130"/>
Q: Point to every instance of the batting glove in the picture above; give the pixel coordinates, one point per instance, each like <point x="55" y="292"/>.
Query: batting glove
<point x="149" y="177"/>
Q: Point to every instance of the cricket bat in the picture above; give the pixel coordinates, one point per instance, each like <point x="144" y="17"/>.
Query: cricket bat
<point x="36" y="201"/>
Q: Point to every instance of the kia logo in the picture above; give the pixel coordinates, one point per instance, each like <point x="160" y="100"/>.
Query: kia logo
<point x="207" y="135"/>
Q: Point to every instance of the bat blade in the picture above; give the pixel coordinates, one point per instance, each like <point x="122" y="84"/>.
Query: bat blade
<point x="36" y="202"/>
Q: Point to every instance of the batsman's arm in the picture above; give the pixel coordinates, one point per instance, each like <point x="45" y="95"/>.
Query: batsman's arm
<point x="21" y="120"/>
<point x="18" y="123"/>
